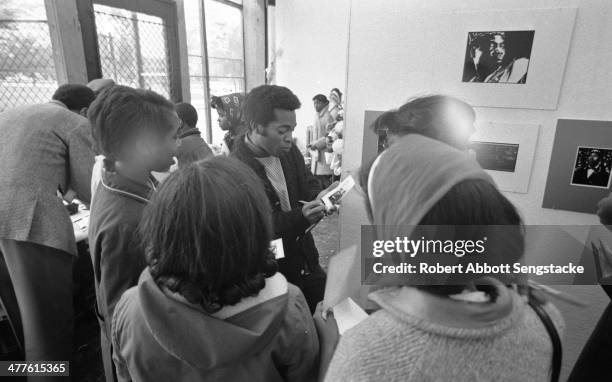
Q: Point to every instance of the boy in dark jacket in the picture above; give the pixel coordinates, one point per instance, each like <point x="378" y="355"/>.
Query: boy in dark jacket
<point x="137" y="133"/>
<point x="192" y="146"/>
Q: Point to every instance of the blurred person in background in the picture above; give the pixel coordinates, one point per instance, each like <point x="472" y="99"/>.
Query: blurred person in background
<point x="320" y="145"/>
<point x="593" y="364"/>
<point x="192" y="146"/>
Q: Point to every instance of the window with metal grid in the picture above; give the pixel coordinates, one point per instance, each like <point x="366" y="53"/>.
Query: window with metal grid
<point x="27" y="69"/>
<point x="133" y="49"/>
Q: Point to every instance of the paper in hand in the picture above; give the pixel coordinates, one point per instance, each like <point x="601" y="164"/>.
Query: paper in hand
<point x="276" y="246"/>
<point x="343" y="277"/>
<point x="348" y="314"/>
<point x="333" y="197"/>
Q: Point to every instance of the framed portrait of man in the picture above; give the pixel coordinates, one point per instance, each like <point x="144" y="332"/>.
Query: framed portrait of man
<point x="579" y="170"/>
<point x="510" y="58"/>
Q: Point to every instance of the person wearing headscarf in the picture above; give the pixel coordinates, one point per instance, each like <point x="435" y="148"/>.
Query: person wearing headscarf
<point x="229" y="109"/>
<point x="469" y="328"/>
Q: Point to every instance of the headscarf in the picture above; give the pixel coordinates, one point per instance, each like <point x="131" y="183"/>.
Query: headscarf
<point x="411" y="176"/>
<point x="232" y="105"/>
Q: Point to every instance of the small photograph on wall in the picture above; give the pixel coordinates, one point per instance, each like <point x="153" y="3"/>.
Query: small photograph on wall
<point x="501" y="57"/>
<point x="496" y="156"/>
<point x="579" y="170"/>
<point x="592" y="167"/>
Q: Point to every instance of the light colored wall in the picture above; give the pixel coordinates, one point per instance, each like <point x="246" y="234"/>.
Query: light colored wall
<point x="389" y="55"/>
<point x="311" y="40"/>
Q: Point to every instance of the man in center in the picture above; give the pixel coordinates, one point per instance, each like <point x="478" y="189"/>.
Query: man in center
<point x="294" y="193"/>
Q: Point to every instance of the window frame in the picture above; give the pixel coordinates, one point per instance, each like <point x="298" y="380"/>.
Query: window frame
<point x="206" y="62"/>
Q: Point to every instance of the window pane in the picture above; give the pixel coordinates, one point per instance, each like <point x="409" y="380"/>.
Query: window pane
<point x="27" y="69"/>
<point x="23" y="10"/>
<point x="225" y="46"/>
<point x="133" y="49"/>
<point x="192" y="25"/>
<point x="224" y="39"/>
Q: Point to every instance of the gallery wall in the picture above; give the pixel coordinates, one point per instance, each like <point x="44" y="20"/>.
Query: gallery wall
<point x="392" y="52"/>
<point x="391" y="57"/>
<point x="311" y="41"/>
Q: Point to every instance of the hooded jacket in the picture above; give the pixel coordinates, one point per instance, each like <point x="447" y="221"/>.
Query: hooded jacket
<point x="159" y="337"/>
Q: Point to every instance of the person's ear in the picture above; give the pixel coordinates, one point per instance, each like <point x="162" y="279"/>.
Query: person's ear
<point x="257" y="128"/>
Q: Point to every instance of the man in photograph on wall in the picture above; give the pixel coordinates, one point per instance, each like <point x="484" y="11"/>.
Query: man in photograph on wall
<point x="507" y="69"/>
<point x="498" y="57"/>
<point x="592" y="171"/>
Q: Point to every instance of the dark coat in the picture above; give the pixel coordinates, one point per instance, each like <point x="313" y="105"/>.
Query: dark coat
<point x="192" y="147"/>
<point x="116" y="256"/>
<point x="43" y="148"/>
<point x="160" y="338"/>
<point x="301" y="255"/>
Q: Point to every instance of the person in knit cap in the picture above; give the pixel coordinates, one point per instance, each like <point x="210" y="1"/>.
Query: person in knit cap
<point x="465" y="330"/>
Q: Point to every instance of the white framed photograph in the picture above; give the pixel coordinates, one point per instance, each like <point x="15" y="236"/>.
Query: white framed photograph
<point x="513" y="58"/>
<point x="506" y="151"/>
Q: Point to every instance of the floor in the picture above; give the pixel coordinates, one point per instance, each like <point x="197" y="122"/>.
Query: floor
<point x="87" y="364"/>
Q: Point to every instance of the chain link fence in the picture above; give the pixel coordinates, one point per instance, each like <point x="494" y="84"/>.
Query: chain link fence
<point x="27" y="69"/>
<point x="133" y="49"/>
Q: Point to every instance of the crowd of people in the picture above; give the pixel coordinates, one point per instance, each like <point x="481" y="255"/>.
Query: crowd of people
<point x="187" y="286"/>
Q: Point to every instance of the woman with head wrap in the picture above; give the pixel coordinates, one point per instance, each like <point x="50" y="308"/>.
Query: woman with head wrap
<point x="229" y="109"/>
<point x="464" y="328"/>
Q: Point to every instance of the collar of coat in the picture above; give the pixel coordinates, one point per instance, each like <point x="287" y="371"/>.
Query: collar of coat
<point x="117" y="183"/>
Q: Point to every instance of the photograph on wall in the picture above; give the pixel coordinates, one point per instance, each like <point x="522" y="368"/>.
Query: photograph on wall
<point x="503" y="58"/>
<point x="495" y="156"/>
<point x="592" y="167"/>
<point x="498" y="57"/>
<point x="506" y="151"/>
<point x="579" y="171"/>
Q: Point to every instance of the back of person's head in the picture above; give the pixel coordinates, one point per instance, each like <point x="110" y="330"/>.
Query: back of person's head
<point x="218" y="253"/>
<point x="260" y="103"/>
<point x="439" y="117"/>
<point x="99" y="84"/>
<point x="120" y="113"/>
<point x="478" y="203"/>
<point x="187" y="113"/>
<point x="321" y="98"/>
<point x="421" y="181"/>
<point x="76" y="97"/>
